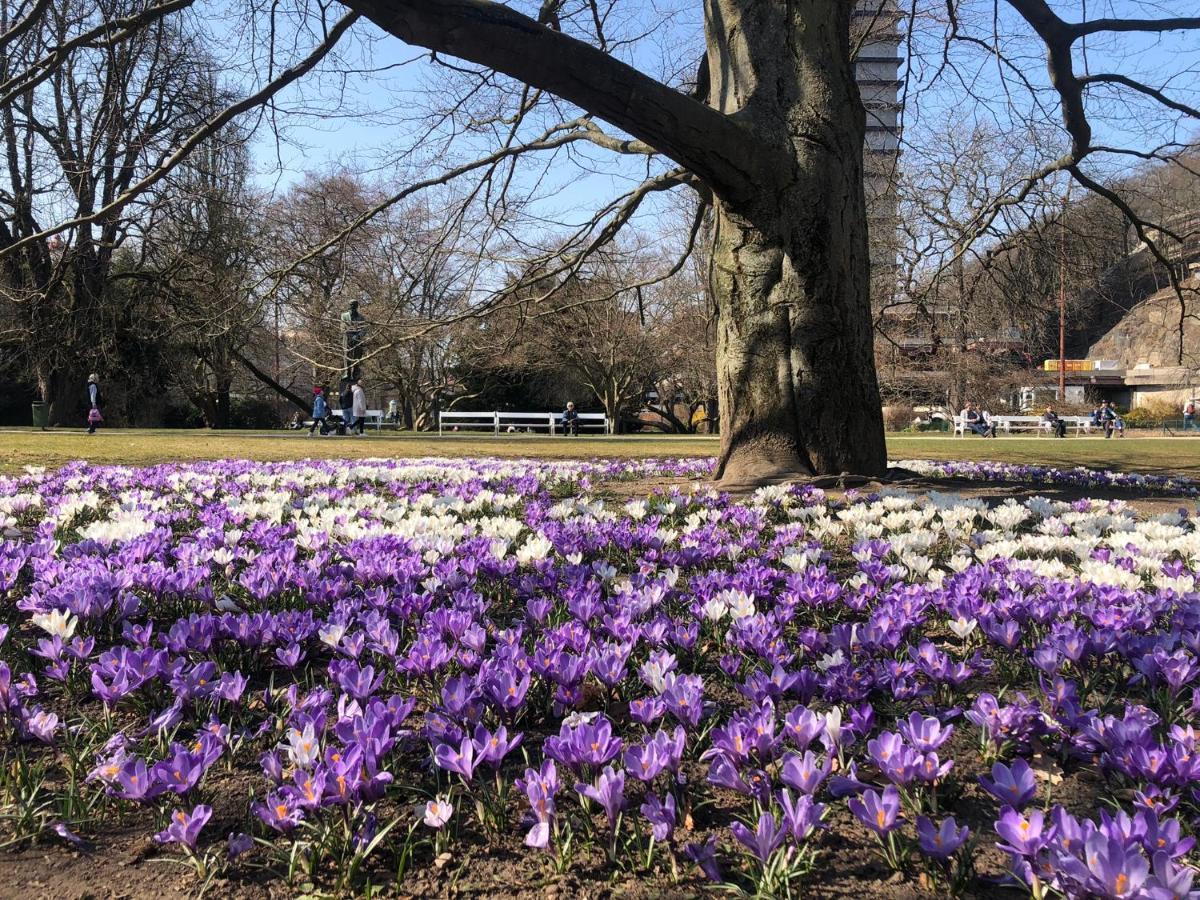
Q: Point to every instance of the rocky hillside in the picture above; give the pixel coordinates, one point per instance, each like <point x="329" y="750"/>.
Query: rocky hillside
<point x="1149" y="332"/>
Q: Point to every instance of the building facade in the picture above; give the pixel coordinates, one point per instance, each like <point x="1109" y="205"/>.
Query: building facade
<point x="876" y="37"/>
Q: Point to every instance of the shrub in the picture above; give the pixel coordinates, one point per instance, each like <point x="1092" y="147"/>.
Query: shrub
<point x="898" y="417"/>
<point x="253" y="412"/>
<point x="1153" y="414"/>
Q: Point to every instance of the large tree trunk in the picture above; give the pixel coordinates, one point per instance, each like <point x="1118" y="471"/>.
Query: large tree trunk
<point x="221" y="406"/>
<point x="782" y="156"/>
<point x="796" y="370"/>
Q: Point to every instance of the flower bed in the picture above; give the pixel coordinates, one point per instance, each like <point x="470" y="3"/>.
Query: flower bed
<point x="1079" y="476"/>
<point x="339" y="674"/>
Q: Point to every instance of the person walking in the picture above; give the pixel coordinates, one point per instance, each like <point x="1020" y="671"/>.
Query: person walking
<point x="320" y="411"/>
<point x="345" y="401"/>
<point x="93" y="389"/>
<point x="570" y="420"/>
<point x="1189" y="415"/>
<point x="1117" y="424"/>
<point x="393" y="411"/>
<point x="358" y="407"/>
<point x="1108" y="418"/>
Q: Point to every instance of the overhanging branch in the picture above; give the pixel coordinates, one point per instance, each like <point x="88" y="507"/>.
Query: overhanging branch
<point x="706" y="142"/>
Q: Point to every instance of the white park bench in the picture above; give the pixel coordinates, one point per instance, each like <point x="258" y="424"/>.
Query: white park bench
<point x="500" y="422"/>
<point x="1009" y="424"/>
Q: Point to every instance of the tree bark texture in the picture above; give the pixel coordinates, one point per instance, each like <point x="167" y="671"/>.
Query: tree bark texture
<point x="790" y="270"/>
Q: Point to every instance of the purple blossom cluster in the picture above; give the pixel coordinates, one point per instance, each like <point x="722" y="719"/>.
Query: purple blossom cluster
<point x="1078" y="476"/>
<point x="396" y="652"/>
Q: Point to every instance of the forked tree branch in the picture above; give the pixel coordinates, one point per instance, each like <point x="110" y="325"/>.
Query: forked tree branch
<point x="708" y="143"/>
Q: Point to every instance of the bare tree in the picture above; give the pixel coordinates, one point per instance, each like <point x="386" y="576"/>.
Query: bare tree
<point x="77" y="128"/>
<point x="201" y="249"/>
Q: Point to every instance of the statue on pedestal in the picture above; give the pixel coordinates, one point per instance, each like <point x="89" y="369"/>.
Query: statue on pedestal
<point x="352" y="340"/>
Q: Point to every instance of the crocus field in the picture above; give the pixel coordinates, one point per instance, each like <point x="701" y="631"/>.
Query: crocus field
<point x="434" y="676"/>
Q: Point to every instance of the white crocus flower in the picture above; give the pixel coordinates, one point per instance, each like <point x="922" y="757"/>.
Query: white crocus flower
<point x="535" y="548"/>
<point x="833" y="726"/>
<point x="962" y="626"/>
<point x="828" y="661"/>
<point x="604" y="571"/>
<point x="303" y="747"/>
<point x="332" y="634"/>
<point x="741" y="605"/>
<point x="57" y="622"/>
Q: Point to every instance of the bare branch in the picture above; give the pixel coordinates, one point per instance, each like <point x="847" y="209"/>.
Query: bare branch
<point x="696" y="136"/>
<point x="207" y="130"/>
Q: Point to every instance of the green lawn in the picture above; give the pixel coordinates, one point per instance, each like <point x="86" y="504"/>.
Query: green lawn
<point x="22" y="447"/>
<point x="1147" y="454"/>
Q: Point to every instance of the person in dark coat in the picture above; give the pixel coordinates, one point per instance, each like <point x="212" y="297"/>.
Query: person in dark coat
<point x="570" y="420"/>
<point x="1056" y="424"/>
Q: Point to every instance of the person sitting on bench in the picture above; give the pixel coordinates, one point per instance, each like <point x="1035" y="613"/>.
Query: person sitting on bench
<point x="973" y="420"/>
<point x="1058" y="425"/>
<point x="570" y="420"/>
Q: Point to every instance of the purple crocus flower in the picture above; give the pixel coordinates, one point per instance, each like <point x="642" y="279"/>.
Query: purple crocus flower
<point x="540" y="787"/>
<point x="646" y="760"/>
<point x="358" y="683"/>
<point x="41" y="725"/>
<point x="801" y="816"/>
<point x="804" y="773"/>
<point x="897" y="762"/>
<point x="646" y="710"/>
<point x="764" y="840"/>
<point x="925" y="733"/>
<point x="803" y="726"/>
<point x="705" y="856"/>
<point x="184" y="828"/>
<point x="134" y="781"/>
<point x="461" y="760"/>
<point x="880" y="813"/>
<point x="661" y="815"/>
<point x="1023" y="836"/>
<point x="589" y="743"/>
<point x="67" y="834"/>
<point x="684" y="699"/>
<point x="609" y="792"/>
<point x="1117" y="870"/>
<point x="943" y="840"/>
<point x="237" y="844"/>
<point x="180" y="773"/>
<point x="1013" y="785"/>
<point x="290" y="656"/>
<point x="492" y="746"/>
<point x="507" y="688"/>
<point x="278" y="812"/>
<point x="724" y="773"/>
<point x="1163" y="836"/>
<point x="1176" y="880"/>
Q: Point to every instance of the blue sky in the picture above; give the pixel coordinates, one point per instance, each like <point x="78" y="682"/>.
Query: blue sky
<point x="361" y="119"/>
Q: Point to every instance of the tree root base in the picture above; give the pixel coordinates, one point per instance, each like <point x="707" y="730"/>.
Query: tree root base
<point x="748" y="482"/>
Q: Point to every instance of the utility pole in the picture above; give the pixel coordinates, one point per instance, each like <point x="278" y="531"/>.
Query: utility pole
<point x="1062" y="301"/>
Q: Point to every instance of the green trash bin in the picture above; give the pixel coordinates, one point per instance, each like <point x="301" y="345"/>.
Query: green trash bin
<point x="41" y="414"/>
